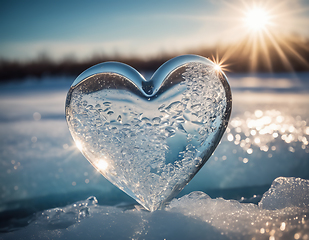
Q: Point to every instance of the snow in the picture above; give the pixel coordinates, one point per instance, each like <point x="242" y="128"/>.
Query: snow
<point x="193" y="216"/>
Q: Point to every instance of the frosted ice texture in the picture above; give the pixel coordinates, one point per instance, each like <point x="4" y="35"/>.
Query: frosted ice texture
<point x="281" y="214"/>
<point x="286" y="192"/>
<point x="149" y="147"/>
<point x="194" y="216"/>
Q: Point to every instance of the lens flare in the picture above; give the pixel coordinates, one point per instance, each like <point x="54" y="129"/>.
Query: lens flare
<point x="217" y="67"/>
<point x="79" y="145"/>
<point x="219" y="63"/>
<point x="102" y="165"/>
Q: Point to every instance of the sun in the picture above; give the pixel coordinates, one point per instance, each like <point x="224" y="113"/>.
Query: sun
<point x="262" y="35"/>
<point x="257" y="19"/>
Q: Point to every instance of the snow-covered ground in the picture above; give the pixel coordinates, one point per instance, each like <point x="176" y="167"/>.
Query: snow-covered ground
<point x="281" y="214"/>
<point x="267" y="138"/>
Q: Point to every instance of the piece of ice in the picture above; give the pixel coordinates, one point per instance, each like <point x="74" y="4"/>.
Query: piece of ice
<point x="286" y="192"/>
<point x="149" y="138"/>
<point x="193" y="216"/>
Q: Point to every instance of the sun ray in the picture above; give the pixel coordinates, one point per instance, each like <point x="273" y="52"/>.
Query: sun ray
<point x="248" y="46"/>
<point x="266" y="52"/>
<point x="279" y="50"/>
<point x="230" y="51"/>
<point x="294" y="52"/>
<point x="254" y="54"/>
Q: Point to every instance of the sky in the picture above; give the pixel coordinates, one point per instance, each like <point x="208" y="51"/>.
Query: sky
<point x="82" y="29"/>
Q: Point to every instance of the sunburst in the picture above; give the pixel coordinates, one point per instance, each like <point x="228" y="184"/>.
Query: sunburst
<point x="219" y="63"/>
<point x="260" y="27"/>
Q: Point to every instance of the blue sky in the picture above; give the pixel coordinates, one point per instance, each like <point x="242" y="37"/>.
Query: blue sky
<point x="130" y="28"/>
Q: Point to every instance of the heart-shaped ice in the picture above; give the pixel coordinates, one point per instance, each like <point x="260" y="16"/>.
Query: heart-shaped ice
<point x="149" y="138"/>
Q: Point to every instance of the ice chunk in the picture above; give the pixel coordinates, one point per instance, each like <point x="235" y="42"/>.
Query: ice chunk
<point x="151" y="161"/>
<point x="232" y="218"/>
<point x="193" y="216"/>
<point x="61" y="218"/>
<point x="286" y="192"/>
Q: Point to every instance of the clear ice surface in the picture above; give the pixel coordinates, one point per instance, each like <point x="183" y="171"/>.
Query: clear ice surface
<point x="149" y="138"/>
<point x="193" y="216"/>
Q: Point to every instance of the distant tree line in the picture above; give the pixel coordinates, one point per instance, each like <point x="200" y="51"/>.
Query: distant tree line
<point x="290" y="54"/>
